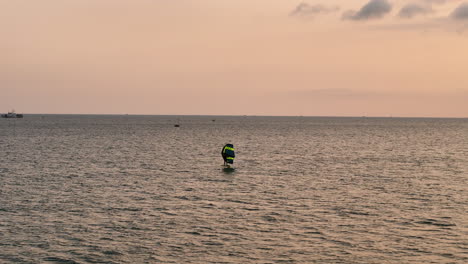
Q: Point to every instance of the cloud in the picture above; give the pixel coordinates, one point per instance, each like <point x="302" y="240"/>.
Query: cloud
<point x="422" y="26"/>
<point x="436" y="2"/>
<point x="412" y="10"/>
<point x="334" y="93"/>
<point x="460" y="13"/>
<point x="307" y="10"/>
<point x="374" y="9"/>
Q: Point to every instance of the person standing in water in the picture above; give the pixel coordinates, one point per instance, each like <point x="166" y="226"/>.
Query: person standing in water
<point x="228" y="154"/>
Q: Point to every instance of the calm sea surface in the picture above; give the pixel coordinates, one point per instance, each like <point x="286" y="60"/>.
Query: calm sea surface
<point x="136" y="189"/>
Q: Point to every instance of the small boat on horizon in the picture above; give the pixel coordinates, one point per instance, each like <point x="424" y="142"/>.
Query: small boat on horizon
<point x="12" y="114"/>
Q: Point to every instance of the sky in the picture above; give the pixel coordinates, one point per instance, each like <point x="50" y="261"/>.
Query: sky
<point x="405" y="58"/>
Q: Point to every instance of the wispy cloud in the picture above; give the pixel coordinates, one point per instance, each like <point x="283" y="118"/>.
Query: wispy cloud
<point x="335" y="93"/>
<point x="439" y="2"/>
<point x="308" y="10"/>
<point x="436" y="2"/>
<point x="372" y="10"/>
<point x="461" y="12"/>
<point x="424" y="26"/>
<point x="412" y="10"/>
<point x="376" y="9"/>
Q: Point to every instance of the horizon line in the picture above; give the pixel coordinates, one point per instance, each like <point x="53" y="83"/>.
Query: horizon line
<point x="252" y="115"/>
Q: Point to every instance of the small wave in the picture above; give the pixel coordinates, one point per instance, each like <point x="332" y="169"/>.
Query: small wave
<point x="193" y="233"/>
<point x="435" y="222"/>
<point x="112" y="252"/>
<point x="212" y="243"/>
<point x="251" y="209"/>
<point x="269" y="218"/>
<point x="59" y="260"/>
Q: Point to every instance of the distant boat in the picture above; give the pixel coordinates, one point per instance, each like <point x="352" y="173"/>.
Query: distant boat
<point x="177" y="124"/>
<point x="12" y="114"/>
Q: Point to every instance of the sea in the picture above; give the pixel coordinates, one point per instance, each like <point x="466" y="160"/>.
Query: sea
<point x="138" y="189"/>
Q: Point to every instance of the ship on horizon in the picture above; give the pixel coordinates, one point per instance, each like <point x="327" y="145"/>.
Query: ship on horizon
<point x="12" y="114"/>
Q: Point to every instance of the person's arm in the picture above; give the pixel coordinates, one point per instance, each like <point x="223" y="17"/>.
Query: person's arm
<point x="222" y="151"/>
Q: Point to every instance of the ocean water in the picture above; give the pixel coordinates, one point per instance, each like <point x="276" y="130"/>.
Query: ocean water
<point x="136" y="189"/>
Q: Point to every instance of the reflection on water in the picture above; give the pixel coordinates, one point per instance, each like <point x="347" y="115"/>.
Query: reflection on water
<point x="136" y="189"/>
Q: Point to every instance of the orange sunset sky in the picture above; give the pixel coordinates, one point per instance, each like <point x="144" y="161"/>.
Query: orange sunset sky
<point x="236" y="57"/>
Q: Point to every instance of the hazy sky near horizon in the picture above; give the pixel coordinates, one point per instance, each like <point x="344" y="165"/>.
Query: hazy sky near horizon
<point x="235" y="57"/>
